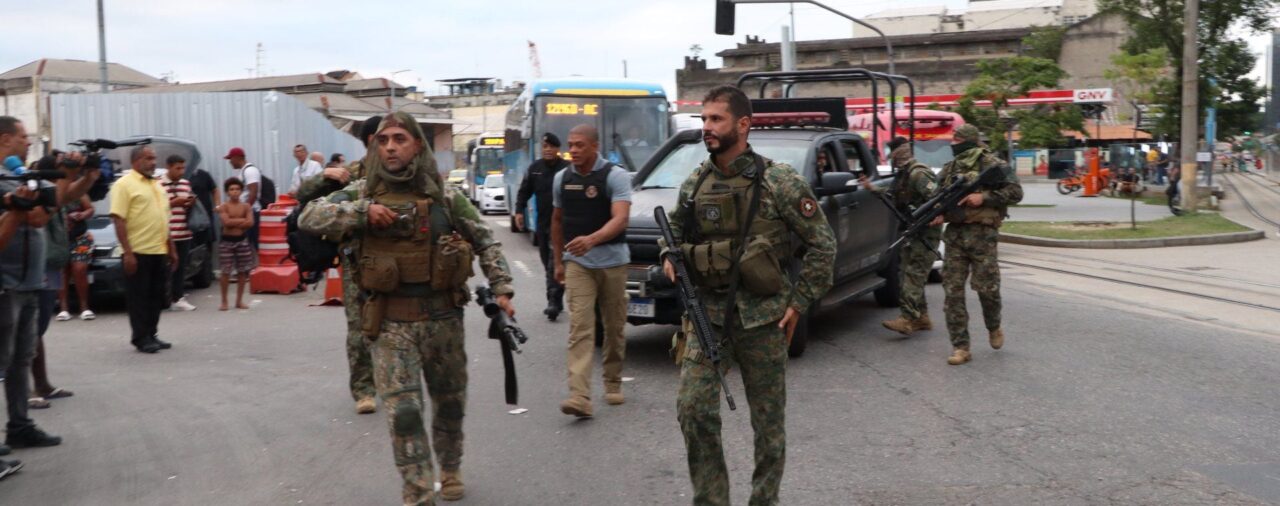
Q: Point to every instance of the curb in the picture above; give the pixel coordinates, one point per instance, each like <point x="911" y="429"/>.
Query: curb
<point x="1161" y="242"/>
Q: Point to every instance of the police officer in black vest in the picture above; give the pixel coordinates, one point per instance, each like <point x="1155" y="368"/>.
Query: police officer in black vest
<point x="537" y="183"/>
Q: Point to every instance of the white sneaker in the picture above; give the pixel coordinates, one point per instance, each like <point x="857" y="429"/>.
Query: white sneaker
<point x="63" y="316"/>
<point x="86" y="315"/>
<point x="182" y="305"/>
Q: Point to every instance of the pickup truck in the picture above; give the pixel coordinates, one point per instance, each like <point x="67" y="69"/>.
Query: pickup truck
<point x="864" y="227"/>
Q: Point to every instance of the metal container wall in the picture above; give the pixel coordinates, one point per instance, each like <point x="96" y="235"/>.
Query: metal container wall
<point x="266" y="124"/>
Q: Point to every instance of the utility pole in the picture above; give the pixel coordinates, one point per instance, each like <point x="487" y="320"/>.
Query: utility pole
<point x="1190" y="103"/>
<point x="624" y="69"/>
<point x="102" y="48"/>
<point x="257" y="61"/>
<point x="888" y="45"/>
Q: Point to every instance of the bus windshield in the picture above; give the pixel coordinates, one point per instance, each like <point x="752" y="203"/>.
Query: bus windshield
<point x="488" y="160"/>
<point x="641" y="124"/>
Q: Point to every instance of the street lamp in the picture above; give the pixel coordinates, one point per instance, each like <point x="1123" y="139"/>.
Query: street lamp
<point x="391" y="84"/>
<point x="724" y="14"/>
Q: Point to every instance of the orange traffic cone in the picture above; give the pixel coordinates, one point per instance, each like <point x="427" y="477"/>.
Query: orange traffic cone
<point x="333" y="287"/>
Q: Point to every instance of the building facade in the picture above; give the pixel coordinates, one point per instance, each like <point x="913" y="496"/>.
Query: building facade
<point x="937" y="63"/>
<point x="978" y="15"/>
<point x="25" y="91"/>
<point x="478" y="104"/>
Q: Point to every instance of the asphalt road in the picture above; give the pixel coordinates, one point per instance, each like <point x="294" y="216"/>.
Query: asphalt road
<point x="1088" y="403"/>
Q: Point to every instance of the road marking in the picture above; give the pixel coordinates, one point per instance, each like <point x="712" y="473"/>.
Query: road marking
<point x="523" y="268"/>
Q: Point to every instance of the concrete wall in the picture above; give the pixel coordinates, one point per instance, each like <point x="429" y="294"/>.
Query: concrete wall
<point x="1086" y="55"/>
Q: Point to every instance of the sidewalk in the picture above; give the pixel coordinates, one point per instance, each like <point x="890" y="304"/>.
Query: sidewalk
<point x="1073" y="207"/>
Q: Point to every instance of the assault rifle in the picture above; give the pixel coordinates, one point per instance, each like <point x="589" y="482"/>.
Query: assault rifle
<point x="502" y="327"/>
<point x="946" y="201"/>
<point x="694" y="309"/>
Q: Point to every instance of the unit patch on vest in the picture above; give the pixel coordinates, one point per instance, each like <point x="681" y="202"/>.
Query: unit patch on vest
<point x="592" y="192"/>
<point x="808" y="207"/>
<point x="573" y="187"/>
<point x="711" y="213"/>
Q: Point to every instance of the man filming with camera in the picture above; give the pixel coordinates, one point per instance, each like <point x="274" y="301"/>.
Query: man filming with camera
<point x="22" y="266"/>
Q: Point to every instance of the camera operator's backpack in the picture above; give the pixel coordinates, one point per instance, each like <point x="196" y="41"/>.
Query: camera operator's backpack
<point x="314" y="254"/>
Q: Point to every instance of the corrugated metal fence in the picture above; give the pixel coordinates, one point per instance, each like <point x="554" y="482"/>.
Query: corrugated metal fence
<point x="266" y="124"/>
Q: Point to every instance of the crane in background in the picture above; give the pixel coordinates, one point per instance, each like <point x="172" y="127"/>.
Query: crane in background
<point x="533" y="60"/>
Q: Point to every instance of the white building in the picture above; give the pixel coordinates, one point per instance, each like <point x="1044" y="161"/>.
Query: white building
<point x="25" y="91"/>
<point x="978" y="15"/>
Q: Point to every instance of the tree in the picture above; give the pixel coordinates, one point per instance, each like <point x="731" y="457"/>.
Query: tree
<point x="1001" y="79"/>
<point x="1044" y="42"/>
<point x="1144" y="77"/>
<point x="1224" y="55"/>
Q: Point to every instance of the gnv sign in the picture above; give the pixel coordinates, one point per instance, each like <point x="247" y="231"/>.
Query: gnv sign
<point x="1097" y="95"/>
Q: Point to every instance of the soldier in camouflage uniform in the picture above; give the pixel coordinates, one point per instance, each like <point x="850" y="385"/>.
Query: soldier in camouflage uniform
<point x="971" y="237"/>
<point x="913" y="184"/>
<point x="359" y="362"/>
<point x="755" y="326"/>
<point x="417" y="244"/>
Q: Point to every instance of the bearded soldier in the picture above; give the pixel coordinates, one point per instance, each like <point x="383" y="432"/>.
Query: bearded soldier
<point x="739" y="211"/>
<point x="972" y="232"/>
<point x="359" y="363"/>
<point x="417" y="243"/>
<point x="913" y="184"/>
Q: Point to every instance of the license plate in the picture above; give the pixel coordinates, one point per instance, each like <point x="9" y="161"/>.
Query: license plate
<point x="642" y="307"/>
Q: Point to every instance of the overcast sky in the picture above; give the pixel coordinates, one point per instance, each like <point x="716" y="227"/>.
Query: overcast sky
<point x="440" y="39"/>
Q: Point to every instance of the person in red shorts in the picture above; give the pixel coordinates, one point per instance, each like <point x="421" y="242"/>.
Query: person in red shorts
<point x="235" y="253"/>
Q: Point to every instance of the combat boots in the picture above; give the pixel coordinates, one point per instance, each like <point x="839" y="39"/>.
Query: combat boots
<point x="997" y="339"/>
<point x="959" y="356"/>
<point x="365" y="406"/>
<point x="451" y="488"/>
<point x="906" y="327"/>
<point x="576" y="406"/>
<point x="613" y="394"/>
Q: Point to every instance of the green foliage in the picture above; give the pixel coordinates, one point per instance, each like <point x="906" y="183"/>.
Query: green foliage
<point x="1044" y="42"/>
<point x="1002" y="79"/>
<point x="1224" y="56"/>
<point x="1140" y="74"/>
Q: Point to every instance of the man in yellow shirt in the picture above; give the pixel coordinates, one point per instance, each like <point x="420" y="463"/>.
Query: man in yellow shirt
<point x="140" y="212"/>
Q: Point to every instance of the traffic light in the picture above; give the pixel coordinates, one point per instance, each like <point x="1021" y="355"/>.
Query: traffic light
<point x="724" y="16"/>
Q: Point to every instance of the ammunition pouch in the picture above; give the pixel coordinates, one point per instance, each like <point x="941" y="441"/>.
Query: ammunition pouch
<point x="407" y="309"/>
<point x="379" y="274"/>
<point x="717" y="213"/>
<point x="451" y="264"/>
<point x="371" y="315"/>
<point x="761" y="273"/>
<point x="712" y="262"/>
<point x="680" y="340"/>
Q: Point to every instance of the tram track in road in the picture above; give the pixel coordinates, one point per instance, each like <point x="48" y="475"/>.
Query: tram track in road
<point x="1229" y="180"/>
<point x="1107" y="264"/>
<point x="1143" y="285"/>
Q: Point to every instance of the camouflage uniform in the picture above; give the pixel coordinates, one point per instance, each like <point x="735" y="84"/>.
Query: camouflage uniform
<point x="757" y="346"/>
<point x="971" y="238"/>
<point x="359" y="361"/>
<point x="405" y="351"/>
<point x="911" y="188"/>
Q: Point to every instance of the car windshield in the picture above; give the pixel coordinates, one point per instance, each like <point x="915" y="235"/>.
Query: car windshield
<point x="934" y="153"/>
<point x="680" y="162"/>
<point x="493" y="182"/>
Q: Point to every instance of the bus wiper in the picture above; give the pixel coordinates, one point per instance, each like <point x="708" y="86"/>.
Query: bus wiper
<point x="657" y="187"/>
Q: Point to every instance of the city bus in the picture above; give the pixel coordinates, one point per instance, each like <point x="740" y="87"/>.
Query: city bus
<point x="932" y="135"/>
<point x="484" y="159"/>
<point x="632" y="117"/>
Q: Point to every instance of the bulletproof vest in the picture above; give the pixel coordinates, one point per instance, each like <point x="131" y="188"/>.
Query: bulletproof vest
<point x="902" y="186"/>
<point x="585" y="203"/>
<point x="544" y="176"/>
<point x="720" y="209"/>
<point x="969" y="165"/>
<point x="411" y="239"/>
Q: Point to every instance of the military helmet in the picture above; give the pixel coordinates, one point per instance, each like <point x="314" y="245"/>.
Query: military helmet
<point x="967" y="133"/>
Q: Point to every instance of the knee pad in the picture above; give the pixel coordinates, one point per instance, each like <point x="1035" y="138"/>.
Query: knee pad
<point x="408" y="419"/>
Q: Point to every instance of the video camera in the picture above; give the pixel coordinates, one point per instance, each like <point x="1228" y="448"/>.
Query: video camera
<point x="47" y="196"/>
<point x="93" y="159"/>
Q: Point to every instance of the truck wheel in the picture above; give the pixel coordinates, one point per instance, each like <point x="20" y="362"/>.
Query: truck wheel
<point x="887" y="295"/>
<point x="800" y="339"/>
<point x="205" y="278"/>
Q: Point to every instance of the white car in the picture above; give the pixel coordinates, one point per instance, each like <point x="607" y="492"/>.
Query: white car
<point x="493" y="195"/>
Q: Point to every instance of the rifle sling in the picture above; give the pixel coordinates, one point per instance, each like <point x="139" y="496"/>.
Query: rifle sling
<point x="735" y="277"/>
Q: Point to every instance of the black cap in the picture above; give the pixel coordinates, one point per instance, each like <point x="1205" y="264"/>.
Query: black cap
<point x="551" y="139"/>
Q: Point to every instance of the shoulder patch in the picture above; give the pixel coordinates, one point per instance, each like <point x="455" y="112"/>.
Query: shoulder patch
<point x="808" y="207"/>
